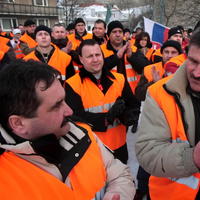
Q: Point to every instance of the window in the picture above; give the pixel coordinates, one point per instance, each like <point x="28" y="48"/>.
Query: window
<point x="42" y="22"/>
<point x="41" y="2"/>
<point x="9" y="1"/>
<point x="8" y="24"/>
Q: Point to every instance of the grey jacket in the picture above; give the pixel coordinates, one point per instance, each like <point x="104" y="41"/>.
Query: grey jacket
<point x="154" y="149"/>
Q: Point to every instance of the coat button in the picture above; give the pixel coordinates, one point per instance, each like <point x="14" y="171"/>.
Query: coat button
<point x="77" y="155"/>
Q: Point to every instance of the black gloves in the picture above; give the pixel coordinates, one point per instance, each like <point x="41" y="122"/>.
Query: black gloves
<point x="130" y="117"/>
<point x="116" y="110"/>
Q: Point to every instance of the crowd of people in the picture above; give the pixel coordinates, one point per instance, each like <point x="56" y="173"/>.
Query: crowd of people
<point x="68" y="97"/>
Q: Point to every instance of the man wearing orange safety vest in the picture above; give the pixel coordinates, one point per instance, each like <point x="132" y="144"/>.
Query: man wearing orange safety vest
<point x="43" y="153"/>
<point x="75" y="39"/>
<point x="51" y="54"/>
<point x="168" y="144"/>
<point x="154" y="72"/>
<point x="27" y="41"/>
<point x="129" y="63"/>
<point x="15" y="43"/>
<point x="103" y="98"/>
<point x="6" y="53"/>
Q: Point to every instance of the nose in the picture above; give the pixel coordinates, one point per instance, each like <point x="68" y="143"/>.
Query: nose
<point x="68" y="111"/>
<point x="94" y="58"/>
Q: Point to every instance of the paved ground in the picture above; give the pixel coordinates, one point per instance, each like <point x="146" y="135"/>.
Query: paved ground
<point x="132" y="162"/>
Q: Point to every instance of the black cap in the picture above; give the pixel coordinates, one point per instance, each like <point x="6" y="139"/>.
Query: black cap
<point x="43" y="28"/>
<point x="79" y="20"/>
<point x="172" y="43"/>
<point x="173" y="31"/>
<point x="29" y="22"/>
<point x="70" y="26"/>
<point x="114" y="24"/>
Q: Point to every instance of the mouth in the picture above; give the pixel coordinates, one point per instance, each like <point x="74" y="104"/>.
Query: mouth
<point x="65" y="121"/>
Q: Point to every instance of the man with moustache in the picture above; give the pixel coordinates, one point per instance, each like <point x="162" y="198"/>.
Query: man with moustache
<point x="168" y="144"/>
<point x="43" y="153"/>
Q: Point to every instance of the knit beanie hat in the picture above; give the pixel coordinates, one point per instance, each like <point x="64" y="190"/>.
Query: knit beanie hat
<point x="173" y="31"/>
<point x="43" y="28"/>
<point x="79" y="20"/>
<point x="172" y="43"/>
<point x="29" y="22"/>
<point x="70" y="27"/>
<point x="114" y="24"/>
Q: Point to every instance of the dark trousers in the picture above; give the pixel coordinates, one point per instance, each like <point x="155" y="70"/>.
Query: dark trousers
<point x="122" y="154"/>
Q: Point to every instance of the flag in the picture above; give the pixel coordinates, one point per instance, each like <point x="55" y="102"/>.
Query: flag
<point x="108" y="14"/>
<point x="158" y="32"/>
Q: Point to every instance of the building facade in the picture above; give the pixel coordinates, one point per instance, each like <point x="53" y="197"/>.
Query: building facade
<point x="15" y="12"/>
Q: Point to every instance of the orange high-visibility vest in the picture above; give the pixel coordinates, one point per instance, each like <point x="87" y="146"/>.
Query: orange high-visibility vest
<point x="23" y="180"/>
<point x="179" y="60"/>
<point x="4" y="48"/>
<point x="132" y="76"/>
<point x="76" y="42"/>
<point x="162" y="188"/>
<point x="3" y="40"/>
<point x="27" y="39"/>
<point x="1" y="55"/>
<point x="95" y="101"/>
<point x="18" y="52"/>
<point x="59" y="60"/>
<point x="149" y="54"/>
<point x="147" y="71"/>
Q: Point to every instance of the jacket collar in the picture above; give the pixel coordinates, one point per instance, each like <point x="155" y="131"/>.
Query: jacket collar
<point x="105" y="73"/>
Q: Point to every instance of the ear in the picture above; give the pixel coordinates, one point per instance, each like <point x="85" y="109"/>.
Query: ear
<point x="18" y="125"/>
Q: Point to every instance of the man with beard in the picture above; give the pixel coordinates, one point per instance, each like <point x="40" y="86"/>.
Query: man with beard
<point x="27" y="41"/>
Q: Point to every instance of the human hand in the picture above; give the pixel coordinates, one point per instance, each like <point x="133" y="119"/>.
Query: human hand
<point x="68" y="47"/>
<point x="114" y="197"/>
<point x="116" y="110"/>
<point x="122" y="50"/>
<point x="155" y="74"/>
<point x="129" y="50"/>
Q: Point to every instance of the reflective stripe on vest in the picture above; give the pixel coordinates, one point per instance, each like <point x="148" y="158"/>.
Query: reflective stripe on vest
<point x="190" y="181"/>
<point x="99" y="109"/>
<point x="178" y="140"/>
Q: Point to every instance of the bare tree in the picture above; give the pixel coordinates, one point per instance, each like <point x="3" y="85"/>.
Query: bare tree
<point x="71" y="9"/>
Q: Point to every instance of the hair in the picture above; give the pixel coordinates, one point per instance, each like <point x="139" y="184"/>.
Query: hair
<point x="89" y="42"/>
<point x="58" y="25"/>
<point x="195" y="39"/>
<point x="140" y="37"/>
<point x="18" y="82"/>
<point x="100" y="21"/>
<point x="127" y="30"/>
